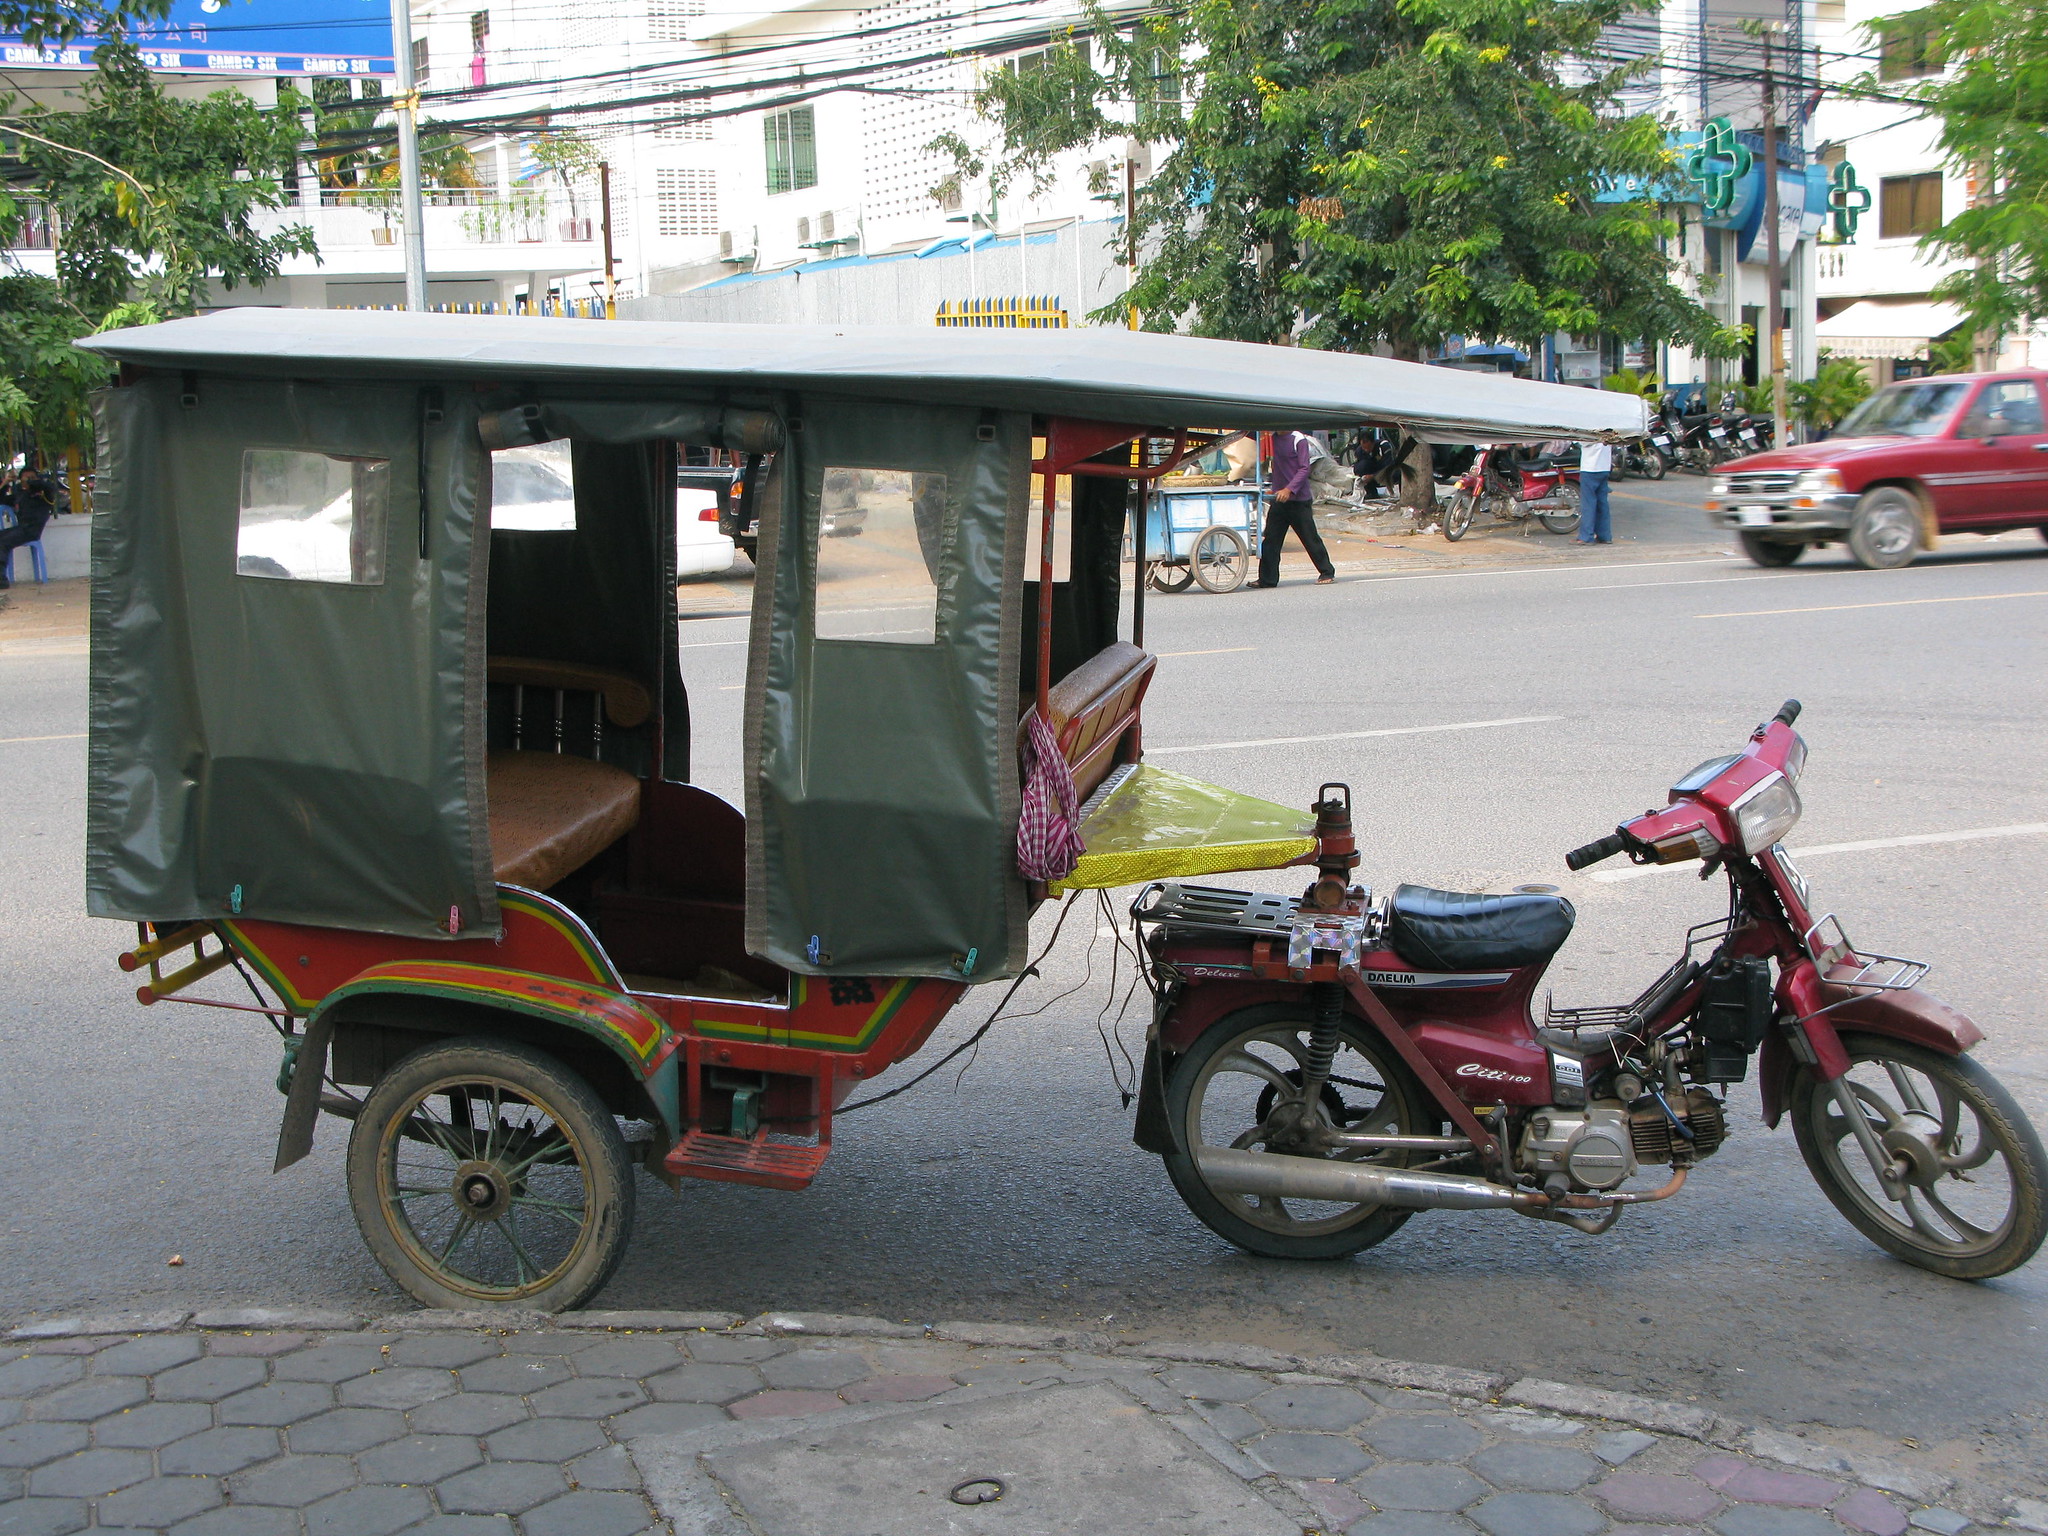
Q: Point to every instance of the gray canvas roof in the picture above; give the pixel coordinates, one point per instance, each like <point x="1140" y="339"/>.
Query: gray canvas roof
<point x="1140" y="378"/>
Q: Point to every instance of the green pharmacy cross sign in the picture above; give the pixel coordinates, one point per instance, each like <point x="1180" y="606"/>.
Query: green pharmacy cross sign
<point x="1848" y="201"/>
<point x="1718" y="163"/>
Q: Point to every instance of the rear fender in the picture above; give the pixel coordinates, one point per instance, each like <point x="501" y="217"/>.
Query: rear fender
<point x="1915" y="1017"/>
<point x="642" y="1044"/>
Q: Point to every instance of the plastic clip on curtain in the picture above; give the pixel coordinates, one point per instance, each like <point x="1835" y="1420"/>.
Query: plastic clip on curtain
<point x="1048" y="832"/>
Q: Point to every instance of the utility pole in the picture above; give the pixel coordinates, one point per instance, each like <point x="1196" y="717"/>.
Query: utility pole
<point x="604" y="198"/>
<point x="407" y="106"/>
<point x="1131" y="233"/>
<point x="1775" y="301"/>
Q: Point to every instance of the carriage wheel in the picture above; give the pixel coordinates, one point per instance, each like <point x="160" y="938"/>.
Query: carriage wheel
<point x="1171" y="578"/>
<point x="1220" y="561"/>
<point x="485" y="1173"/>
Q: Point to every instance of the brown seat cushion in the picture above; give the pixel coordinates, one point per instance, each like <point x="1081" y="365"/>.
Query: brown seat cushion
<point x="551" y="814"/>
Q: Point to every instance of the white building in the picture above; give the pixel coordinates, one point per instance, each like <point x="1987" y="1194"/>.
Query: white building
<point x="1873" y="292"/>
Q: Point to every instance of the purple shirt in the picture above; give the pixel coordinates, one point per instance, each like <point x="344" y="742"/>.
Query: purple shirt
<point x="1291" y="464"/>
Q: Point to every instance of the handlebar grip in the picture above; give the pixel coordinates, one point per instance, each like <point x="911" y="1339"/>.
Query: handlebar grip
<point x="1787" y="712"/>
<point x="1606" y="848"/>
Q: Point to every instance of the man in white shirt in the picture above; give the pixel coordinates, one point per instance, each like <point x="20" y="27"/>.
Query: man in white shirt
<point x="1596" y="525"/>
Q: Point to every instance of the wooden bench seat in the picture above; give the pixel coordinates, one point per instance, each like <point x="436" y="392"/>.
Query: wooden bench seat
<point x="1093" y="707"/>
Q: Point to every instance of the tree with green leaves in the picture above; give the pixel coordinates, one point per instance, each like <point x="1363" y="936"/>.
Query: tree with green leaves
<point x="1992" y="107"/>
<point x="43" y="23"/>
<point x="1353" y="174"/>
<point x="151" y="197"/>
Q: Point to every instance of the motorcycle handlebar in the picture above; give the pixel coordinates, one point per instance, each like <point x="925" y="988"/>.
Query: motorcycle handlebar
<point x="1606" y="848"/>
<point x="1787" y="712"/>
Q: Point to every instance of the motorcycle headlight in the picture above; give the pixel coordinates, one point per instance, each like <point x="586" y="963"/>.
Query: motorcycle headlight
<point x="1819" y="480"/>
<point x="1766" y="812"/>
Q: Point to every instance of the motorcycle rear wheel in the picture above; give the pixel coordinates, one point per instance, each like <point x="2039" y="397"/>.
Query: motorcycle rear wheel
<point x="1971" y="1147"/>
<point x="1221" y="1093"/>
<point x="1566" y="521"/>
<point x="1652" y="465"/>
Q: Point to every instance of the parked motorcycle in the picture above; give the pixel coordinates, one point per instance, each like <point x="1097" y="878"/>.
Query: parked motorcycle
<point x="1697" y="436"/>
<point x="1514" y="490"/>
<point x="1320" y="1069"/>
<point x="1663" y="442"/>
<point x="1640" y="456"/>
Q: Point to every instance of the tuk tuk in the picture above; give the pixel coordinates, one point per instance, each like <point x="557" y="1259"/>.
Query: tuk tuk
<point x="414" y="783"/>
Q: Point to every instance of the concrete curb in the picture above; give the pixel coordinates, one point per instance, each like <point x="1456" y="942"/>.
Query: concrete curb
<point x="1686" y="1420"/>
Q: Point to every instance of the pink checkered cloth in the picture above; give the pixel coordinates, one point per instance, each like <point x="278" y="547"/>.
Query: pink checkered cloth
<point x="1048" y="825"/>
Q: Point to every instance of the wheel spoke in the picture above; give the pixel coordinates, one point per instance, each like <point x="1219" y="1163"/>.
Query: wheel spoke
<point x="462" y="1226"/>
<point x="528" y="1270"/>
<point x="1251" y="1066"/>
<point x="1970" y="1230"/>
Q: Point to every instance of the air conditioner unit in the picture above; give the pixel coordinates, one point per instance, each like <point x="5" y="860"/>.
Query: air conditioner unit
<point x="735" y="247"/>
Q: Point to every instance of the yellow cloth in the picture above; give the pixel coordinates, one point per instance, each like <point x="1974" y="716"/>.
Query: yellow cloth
<point x="1157" y="825"/>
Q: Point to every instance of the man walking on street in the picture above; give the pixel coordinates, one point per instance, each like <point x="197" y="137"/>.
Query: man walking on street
<point x="1293" y="506"/>
<point x="1596" y="523"/>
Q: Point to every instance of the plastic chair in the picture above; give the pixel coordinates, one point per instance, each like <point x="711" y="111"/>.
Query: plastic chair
<point x="37" y="563"/>
<point x="35" y="553"/>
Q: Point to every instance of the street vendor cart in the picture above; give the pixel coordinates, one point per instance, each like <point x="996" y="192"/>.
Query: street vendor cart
<point x="425" y="782"/>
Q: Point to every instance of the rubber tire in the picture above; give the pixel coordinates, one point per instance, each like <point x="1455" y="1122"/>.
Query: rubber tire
<point x="1215" y="1213"/>
<point x="1563" y="522"/>
<point x="1772" y="553"/>
<point x="1457" y="516"/>
<point x="1881" y="509"/>
<point x="1653" y="465"/>
<point x="568" y="1098"/>
<point x="1203" y="577"/>
<point x="2029" y="1164"/>
<point x="1171" y="578"/>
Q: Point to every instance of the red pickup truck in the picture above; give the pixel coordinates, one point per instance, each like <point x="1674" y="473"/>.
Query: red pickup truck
<point x="1958" y="453"/>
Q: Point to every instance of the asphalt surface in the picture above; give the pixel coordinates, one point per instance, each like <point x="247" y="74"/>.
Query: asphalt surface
<point x="1015" y="1194"/>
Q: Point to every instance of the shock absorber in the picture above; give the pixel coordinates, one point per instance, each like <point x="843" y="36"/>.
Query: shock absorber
<point x="1328" y="997"/>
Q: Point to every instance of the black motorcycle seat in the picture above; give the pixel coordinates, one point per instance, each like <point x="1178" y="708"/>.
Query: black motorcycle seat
<point x="1456" y="931"/>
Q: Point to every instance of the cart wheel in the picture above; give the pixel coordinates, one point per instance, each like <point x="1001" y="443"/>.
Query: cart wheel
<point x="1219" y="560"/>
<point x="1457" y="516"/>
<point x="1172" y="578"/>
<point x="485" y="1173"/>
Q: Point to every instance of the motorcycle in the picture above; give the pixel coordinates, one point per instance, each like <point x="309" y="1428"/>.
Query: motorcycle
<point x="1320" y="1069"/>
<point x="1641" y="457"/>
<point x="1663" y="442"/>
<point x="1514" y="490"/>
<point x="1697" y="438"/>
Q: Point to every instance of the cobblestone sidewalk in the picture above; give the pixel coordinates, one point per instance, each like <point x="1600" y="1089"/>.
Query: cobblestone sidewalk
<point x="607" y="1424"/>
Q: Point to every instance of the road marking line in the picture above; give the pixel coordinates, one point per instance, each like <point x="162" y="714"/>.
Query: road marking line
<point x="9" y="741"/>
<point x="1400" y="730"/>
<point x="1696" y="581"/>
<point x="1902" y="602"/>
<point x="1801" y="855"/>
<point x="1571" y="566"/>
<point x="1226" y="650"/>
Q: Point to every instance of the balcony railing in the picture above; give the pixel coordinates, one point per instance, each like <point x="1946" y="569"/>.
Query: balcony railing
<point x="37" y="232"/>
<point x="464" y="215"/>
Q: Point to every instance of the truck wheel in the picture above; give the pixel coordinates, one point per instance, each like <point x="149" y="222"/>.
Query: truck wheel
<point x="484" y="1173"/>
<point x="1885" y="532"/>
<point x="1771" y="552"/>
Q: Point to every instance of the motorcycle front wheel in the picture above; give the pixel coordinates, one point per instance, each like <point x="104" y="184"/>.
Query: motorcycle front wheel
<point x="1222" y="1093"/>
<point x="1974" y="1200"/>
<point x="1458" y="515"/>
<point x="1652" y="466"/>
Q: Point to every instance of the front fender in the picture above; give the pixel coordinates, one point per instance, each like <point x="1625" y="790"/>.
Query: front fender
<point x="1916" y="1017"/>
<point x="642" y="1041"/>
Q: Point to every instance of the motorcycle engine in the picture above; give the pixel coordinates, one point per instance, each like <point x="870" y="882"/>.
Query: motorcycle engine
<point x="1657" y="1140"/>
<point x="1594" y="1147"/>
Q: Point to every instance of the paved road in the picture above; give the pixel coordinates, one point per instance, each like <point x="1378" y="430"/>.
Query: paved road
<point x="133" y="1136"/>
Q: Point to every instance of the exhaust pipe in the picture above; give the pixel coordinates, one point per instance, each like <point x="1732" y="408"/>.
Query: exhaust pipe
<point x="1230" y="1171"/>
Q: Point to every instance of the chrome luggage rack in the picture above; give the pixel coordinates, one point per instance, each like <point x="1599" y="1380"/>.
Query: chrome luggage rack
<point x="1830" y="947"/>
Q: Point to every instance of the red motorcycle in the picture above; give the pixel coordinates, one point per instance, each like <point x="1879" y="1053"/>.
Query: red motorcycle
<point x="1319" y="1069"/>
<point x="1515" y="489"/>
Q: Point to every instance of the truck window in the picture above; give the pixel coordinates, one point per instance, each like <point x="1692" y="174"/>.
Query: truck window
<point x="1905" y="410"/>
